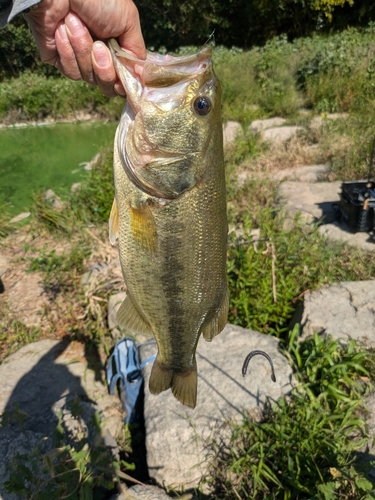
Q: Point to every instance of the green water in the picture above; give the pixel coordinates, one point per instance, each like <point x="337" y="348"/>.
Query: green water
<point x="46" y="157"/>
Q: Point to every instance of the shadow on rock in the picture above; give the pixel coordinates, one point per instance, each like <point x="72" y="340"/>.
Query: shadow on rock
<point x="53" y="402"/>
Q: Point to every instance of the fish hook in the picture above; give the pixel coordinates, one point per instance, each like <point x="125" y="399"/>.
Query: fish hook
<point x="255" y="353"/>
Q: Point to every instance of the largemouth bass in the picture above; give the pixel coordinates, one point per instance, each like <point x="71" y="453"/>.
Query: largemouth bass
<point x="169" y="212"/>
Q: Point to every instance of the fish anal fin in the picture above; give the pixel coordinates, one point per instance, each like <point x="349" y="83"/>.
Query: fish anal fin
<point x="113" y="223"/>
<point x="183" y="384"/>
<point x="129" y="317"/>
<point x="218" y="322"/>
<point x="143" y="228"/>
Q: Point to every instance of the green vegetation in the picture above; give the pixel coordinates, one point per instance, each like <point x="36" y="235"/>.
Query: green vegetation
<point x="93" y="201"/>
<point x="304" y="448"/>
<point x="33" y="96"/>
<point x="324" y="73"/>
<point x="308" y="445"/>
<point x="70" y="468"/>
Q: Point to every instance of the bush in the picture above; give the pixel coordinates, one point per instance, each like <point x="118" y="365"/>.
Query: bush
<point x="304" y="448"/>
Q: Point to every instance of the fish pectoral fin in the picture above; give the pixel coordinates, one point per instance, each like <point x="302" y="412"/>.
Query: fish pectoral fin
<point x="113" y="223"/>
<point x="129" y="317"/>
<point x="216" y="325"/>
<point x="183" y="384"/>
<point x="143" y="227"/>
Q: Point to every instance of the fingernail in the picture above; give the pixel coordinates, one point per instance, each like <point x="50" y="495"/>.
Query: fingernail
<point x="74" y="25"/>
<point x="101" y="54"/>
<point x="62" y="32"/>
<point x="119" y="89"/>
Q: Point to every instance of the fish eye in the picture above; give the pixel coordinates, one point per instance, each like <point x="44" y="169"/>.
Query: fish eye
<point x="202" y="105"/>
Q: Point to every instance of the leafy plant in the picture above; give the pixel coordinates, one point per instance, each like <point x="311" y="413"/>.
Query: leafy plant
<point x="72" y="468"/>
<point x="5" y="227"/>
<point x="14" y="334"/>
<point x="60" y="271"/>
<point x="93" y="201"/>
<point x="305" y="446"/>
<point x="268" y="274"/>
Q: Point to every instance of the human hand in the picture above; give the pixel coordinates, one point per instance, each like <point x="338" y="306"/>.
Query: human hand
<point x="65" y="31"/>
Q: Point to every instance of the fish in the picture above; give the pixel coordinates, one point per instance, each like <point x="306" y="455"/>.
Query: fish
<point x="169" y="213"/>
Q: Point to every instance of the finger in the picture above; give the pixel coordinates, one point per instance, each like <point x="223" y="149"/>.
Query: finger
<point x="81" y="43"/>
<point x="46" y="44"/>
<point x="66" y="61"/>
<point x="132" y="39"/>
<point x="104" y="70"/>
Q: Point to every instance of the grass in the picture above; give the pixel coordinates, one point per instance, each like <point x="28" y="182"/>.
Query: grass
<point x="305" y="447"/>
<point x="34" y="97"/>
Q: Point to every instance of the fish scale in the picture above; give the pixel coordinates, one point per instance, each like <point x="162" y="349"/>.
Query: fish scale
<point x="173" y="248"/>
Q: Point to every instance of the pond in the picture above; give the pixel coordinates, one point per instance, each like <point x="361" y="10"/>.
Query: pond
<point x="38" y="158"/>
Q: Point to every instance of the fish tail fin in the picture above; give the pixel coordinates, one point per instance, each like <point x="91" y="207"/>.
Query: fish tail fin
<point x="183" y="384"/>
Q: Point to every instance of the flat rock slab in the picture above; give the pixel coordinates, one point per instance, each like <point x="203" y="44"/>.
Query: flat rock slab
<point x="344" y="310"/>
<point x="231" y="130"/>
<point x="259" y="125"/>
<point x="318" y="121"/>
<point x="43" y="379"/>
<point x="313" y="200"/>
<point x="142" y="492"/>
<point x="280" y="134"/>
<point x="19" y="217"/>
<point x="176" y="436"/>
<point x="308" y="173"/>
<point x="339" y="232"/>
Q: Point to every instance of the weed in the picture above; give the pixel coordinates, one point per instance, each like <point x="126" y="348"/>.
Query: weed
<point x="304" y="261"/>
<point x="33" y="96"/>
<point x="304" y="447"/>
<point x="71" y="468"/>
<point x="46" y="215"/>
<point x="14" y="334"/>
<point x="93" y="201"/>
<point x="60" y="271"/>
<point x="5" y="227"/>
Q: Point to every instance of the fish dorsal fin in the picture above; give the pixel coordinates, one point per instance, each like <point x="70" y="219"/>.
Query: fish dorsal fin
<point x="113" y="223"/>
<point x="216" y="325"/>
<point x="129" y="317"/>
<point x="143" y="228"/>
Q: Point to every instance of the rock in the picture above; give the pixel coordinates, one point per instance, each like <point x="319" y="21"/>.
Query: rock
<point x="339" y="232"/>
<point x="280" y="134"/>
<point x="21" y="216"/>
<point x="177" y="436"/>
<point x="309" y="173"/>
<point x="89" y="165"/>
<point x="318" y="121"/>
<point x="259" y="125"/>
<point x="48" y="377"/>
<point x="142" y="492"/>
<point x="54" y="200"/>
<point x="344" y="310"/>
<point x="231" y="130"/>
<point x="13" y="442"/>
<point x="313" y="200"/>
<point x="76" y="187"/>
